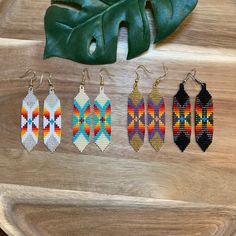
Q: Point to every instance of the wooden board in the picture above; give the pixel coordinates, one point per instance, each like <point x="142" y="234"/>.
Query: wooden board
<point x="64" y="212"/>
<point x="206" y="41"/>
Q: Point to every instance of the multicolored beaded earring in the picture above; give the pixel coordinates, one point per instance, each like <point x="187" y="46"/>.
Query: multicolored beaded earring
<point x="30" y="115"/>
<point x="204" y="120"/>
<point x="156" y="115"/>
<point x="51" y="117"/>
<point x="81" y="116"/>
<point x="136" y="114"/>
<point x="204" y="116"/>
<point x="182" y="118"/>
<point x="102" y="116"/>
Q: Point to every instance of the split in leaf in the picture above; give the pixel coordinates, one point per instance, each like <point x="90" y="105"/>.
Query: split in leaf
<point x="87" y="31"/>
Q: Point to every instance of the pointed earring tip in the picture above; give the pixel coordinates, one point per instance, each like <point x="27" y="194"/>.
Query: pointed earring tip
<point x="205" y="145"/>
<point x="136" y="147"/>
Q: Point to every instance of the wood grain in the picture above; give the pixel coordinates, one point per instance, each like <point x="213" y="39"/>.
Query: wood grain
<point x="82" y="213"/>
<point x="206" y="41"/>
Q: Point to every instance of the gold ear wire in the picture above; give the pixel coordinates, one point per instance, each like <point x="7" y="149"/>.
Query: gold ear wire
<point x="51" y="87"/>
<point x="138" y="75"/>
<point x="101" y="75"/>
<point x="85" y="75"/>
<point x="27" y="73"/>
<point x="144" y="69"/>
<point x="165" y="69"/>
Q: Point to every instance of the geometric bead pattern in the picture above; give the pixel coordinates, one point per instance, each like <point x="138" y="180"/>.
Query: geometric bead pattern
<point x="30" y="121"/>
<point x="136" y="119"/>
<point x="181" y="119"/>
<point x="52" y="121"/>
<point x="156" y="119"/>
<point x="204" y="121"/>
<point x="102" y="120"/>
<point x="81" y="120"/>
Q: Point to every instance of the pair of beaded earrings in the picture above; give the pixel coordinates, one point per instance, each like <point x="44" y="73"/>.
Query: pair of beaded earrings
<point x="30" y="116"/>
<point x="156" y="121"/>
<point x="204" y="120"/>
<point x="102" y="116"/>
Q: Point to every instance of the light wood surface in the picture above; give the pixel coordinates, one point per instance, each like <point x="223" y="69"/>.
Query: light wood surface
<point x="63" y="212"/>
<point x="205" y="182"/>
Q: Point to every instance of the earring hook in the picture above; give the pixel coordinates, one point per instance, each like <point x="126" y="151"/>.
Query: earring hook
<point x="85" y="75"/>
<point x="28" y="72"/>
<point x="101" y="75"/>
<point x="165" y="69"/>
<point x="192" y="75"/>
<point x="144" y="69"/>
<point x="51" y="87"/>
<point x="32" y="79"/>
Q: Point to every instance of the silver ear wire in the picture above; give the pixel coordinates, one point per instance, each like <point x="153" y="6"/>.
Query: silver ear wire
<point x="192" y="75"/>
<point x="144" y="69"/>
<point x="165" y="69"/>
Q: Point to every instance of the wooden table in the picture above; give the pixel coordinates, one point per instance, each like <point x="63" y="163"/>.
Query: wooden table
<point x="119" y="192"/>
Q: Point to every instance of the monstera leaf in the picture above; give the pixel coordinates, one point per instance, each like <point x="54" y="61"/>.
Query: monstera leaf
<point x="71" y="26"/>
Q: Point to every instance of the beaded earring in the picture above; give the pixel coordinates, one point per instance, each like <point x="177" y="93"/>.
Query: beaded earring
<point x="182" y="118"/>
<point x="30" y="115"/>
<point x="204" y="117"/>
<point x="136" y="114"/>
<point x="81" y="116"/>
<point x="156" y="115"/>
<point x="102" y="116"/>
<point x="51" y="118"/>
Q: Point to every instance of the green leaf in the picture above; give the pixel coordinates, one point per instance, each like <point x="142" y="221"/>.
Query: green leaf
<point x="71" y="26"/>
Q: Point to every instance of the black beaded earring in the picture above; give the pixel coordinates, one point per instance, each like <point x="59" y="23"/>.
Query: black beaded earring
<point x="182" y="118"/>
<point x="204" y="120"/>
